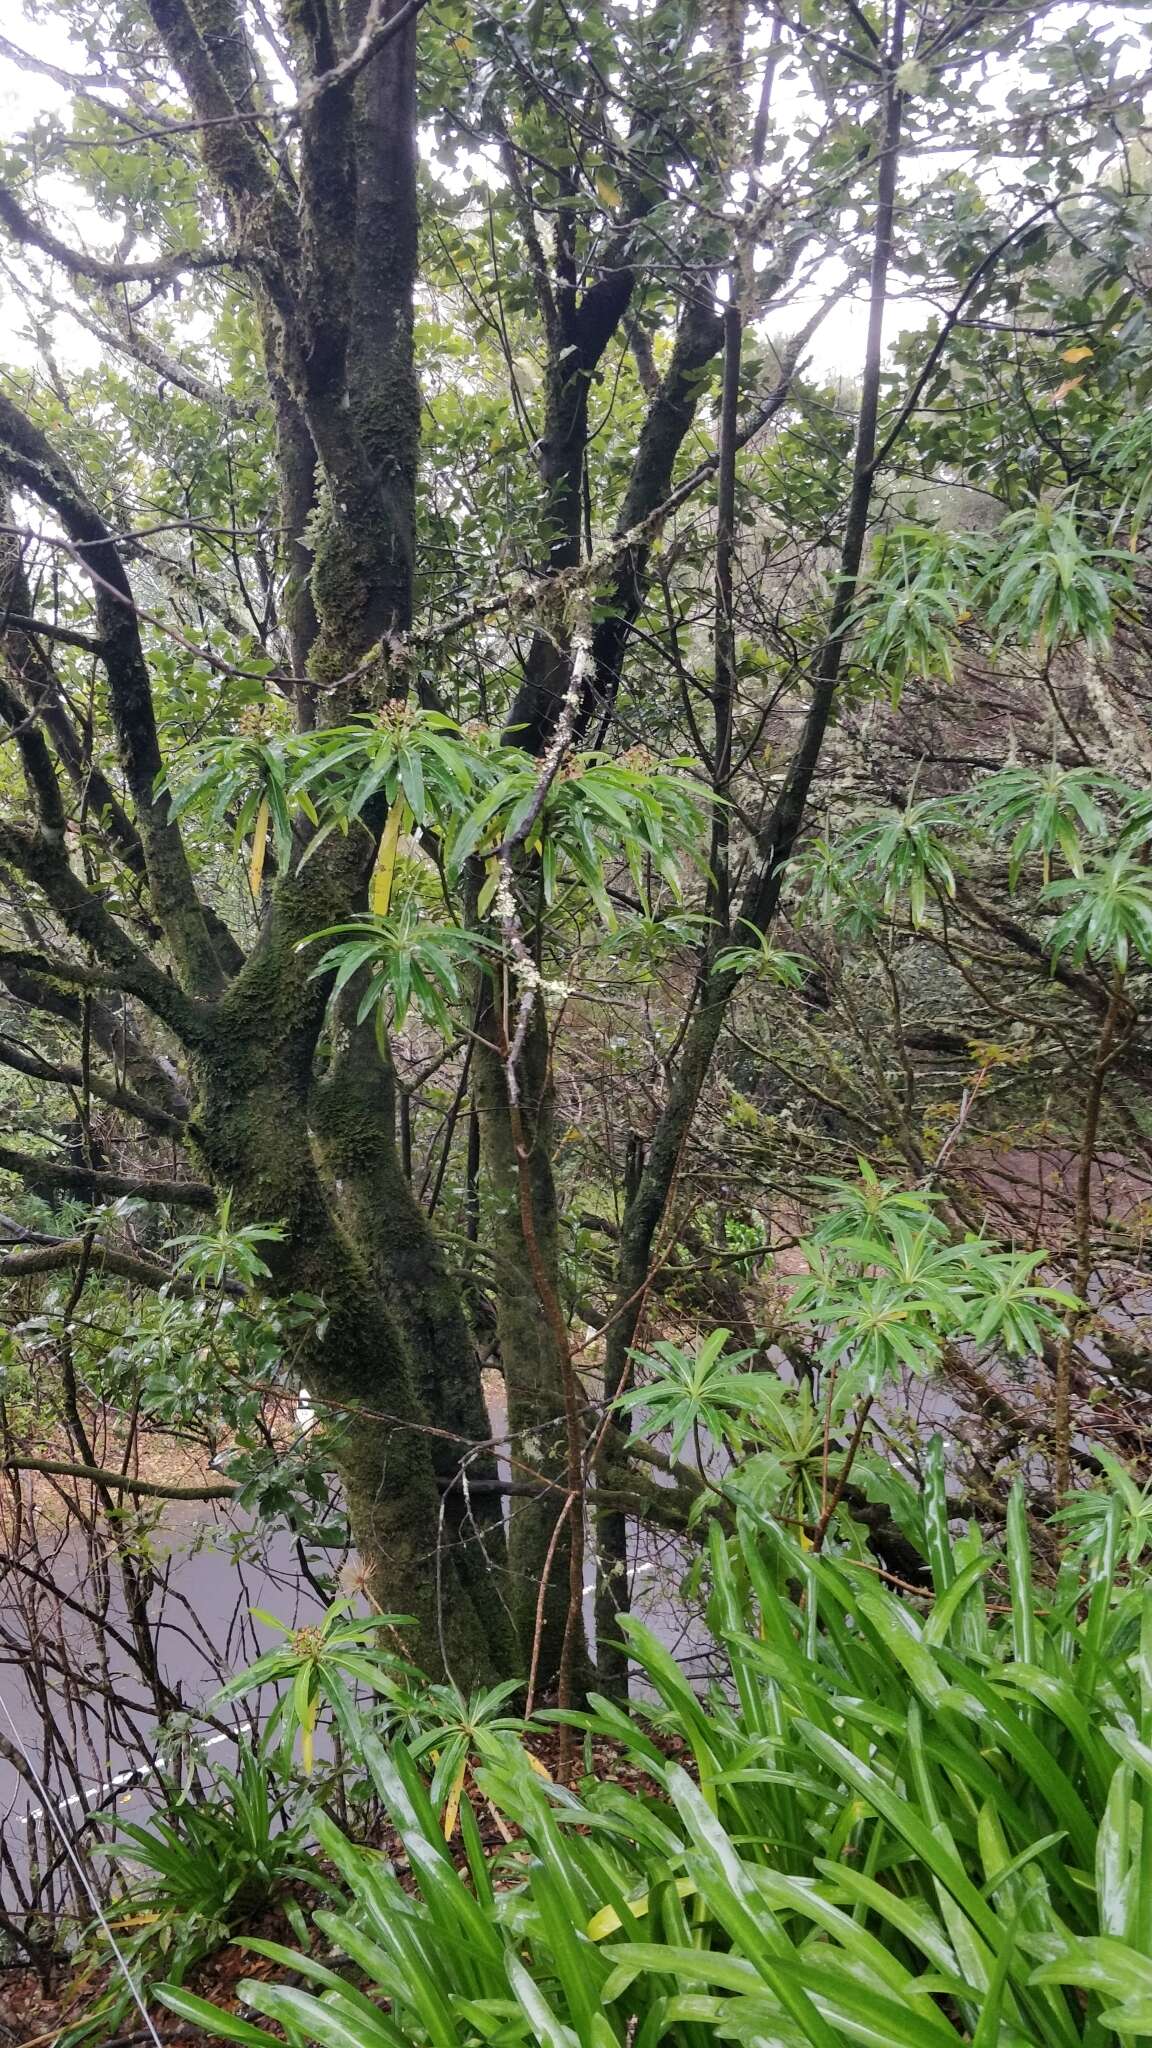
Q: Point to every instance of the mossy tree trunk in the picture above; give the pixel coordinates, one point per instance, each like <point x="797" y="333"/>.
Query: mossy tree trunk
<point x="524" y="1235"/>
<point x="354" y="1118"/>
<point x="292" y="1111"/>
<point x="292" y="1132"/>
<point x="394" y="1363"/>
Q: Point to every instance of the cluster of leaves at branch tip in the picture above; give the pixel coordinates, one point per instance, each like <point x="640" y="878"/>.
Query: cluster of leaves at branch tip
<point x="908" y="862"/>
<point x="473" y="794"/>
<point x="1049" y="576"/>
<point x="886" y="1289"/>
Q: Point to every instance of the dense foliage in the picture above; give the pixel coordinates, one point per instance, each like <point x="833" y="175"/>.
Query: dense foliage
<point x="575" y="917"/>
<point x="899" y="1819"/>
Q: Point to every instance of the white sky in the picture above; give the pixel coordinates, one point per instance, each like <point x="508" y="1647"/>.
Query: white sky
<point x="837" y="349"/>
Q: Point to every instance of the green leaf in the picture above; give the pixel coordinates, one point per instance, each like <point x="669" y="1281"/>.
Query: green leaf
<point x="211" y="2019"/>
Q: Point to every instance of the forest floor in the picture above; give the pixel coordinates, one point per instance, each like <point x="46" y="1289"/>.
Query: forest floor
<point x="40" y="2008"/>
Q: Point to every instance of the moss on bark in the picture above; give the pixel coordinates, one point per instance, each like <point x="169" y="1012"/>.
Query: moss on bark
<point x="254" y="1078"/>
<point x="353" y="1115"/>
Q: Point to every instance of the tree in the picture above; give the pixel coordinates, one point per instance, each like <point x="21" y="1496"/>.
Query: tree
<point x="235" y="605"/>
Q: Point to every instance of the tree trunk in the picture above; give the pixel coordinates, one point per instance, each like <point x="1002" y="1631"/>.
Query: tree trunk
<point x="354" y="1118"/>
<point x="540" y="1532"/>
<point x="254" y="1071"/>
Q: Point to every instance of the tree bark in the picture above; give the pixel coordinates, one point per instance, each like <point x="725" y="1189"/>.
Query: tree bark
<point x="252" y="1127"/>
<point x="533" y="1366"/>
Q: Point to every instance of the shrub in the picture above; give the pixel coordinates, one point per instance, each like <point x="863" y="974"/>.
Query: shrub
<point x="199" y="1870"/>
<point x="908" y="1822"/>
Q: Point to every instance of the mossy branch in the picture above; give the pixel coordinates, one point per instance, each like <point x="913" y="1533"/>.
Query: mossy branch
<point x="122" y="1482"/>
<point x="92" y="1184"/>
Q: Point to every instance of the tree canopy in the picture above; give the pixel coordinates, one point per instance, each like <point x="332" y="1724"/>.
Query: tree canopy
<point x="575" y="613"/>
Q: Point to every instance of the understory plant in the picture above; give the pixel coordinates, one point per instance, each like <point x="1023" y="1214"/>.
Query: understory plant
<point x="888" y="1287"/>
<point x="209" y="1858"/>
<point x="908" y="1819"/>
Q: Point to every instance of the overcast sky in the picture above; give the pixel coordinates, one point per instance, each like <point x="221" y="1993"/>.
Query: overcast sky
<point x="837" y="348"/>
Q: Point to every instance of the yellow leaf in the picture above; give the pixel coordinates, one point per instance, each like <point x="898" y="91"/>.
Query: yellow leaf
<point x="606" y="191"/>
<point x="259" y="848"/>
<point x="1075" y="355"/>
<point x="607" y="1920"/>
<point x="384" y="871"/>
<point x="537" y="1766"/>
<point x="453" y="1806"/>
<point x="1062" y="390"/>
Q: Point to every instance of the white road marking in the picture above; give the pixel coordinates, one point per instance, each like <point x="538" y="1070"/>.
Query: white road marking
<point x="648" y="1566"/>
<point x="136" y="1777"/>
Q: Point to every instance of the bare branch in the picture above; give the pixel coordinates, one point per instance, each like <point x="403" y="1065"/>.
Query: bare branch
<point x="45" y="629"/>
<point x="67" y="1251"/>
<point x="111" y="1027"/>
<point x="123" y="1482"/>
<point x="122" y="965"/>
<point x="29" y="457"/>
<point x="33" y="235"/>
<point x="37" y="1069"/>
<point x="121" y="333"/>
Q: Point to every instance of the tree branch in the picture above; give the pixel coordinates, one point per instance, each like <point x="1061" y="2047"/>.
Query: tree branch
<point x="67" y="1251"/>
<point x="44" y="629"/>
<point x="230" y="154"/>
<point x="30" y="979"/>
<point x="647" y="1207"/>
<point x="122" y="1482"/>
<point x="643" y="1498"/>
<point x="35" y="676"/>
<point x="37" y="1069"/>
<point x="128" y="339"/>
<point x="96" y="1185"/>
<point x="29" y="457"/>
<point x="601" y="565"/>
<point x="122" y="965"/>
<point x="379" y="29"/>
<point x="995" y="920"/>
<point x="668" y="418"/>
<point x="36" y="761"/>
<point x="32" y="235"/>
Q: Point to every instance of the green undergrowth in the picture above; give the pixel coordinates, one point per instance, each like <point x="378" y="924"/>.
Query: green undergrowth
<point x="906" y="1821"/>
